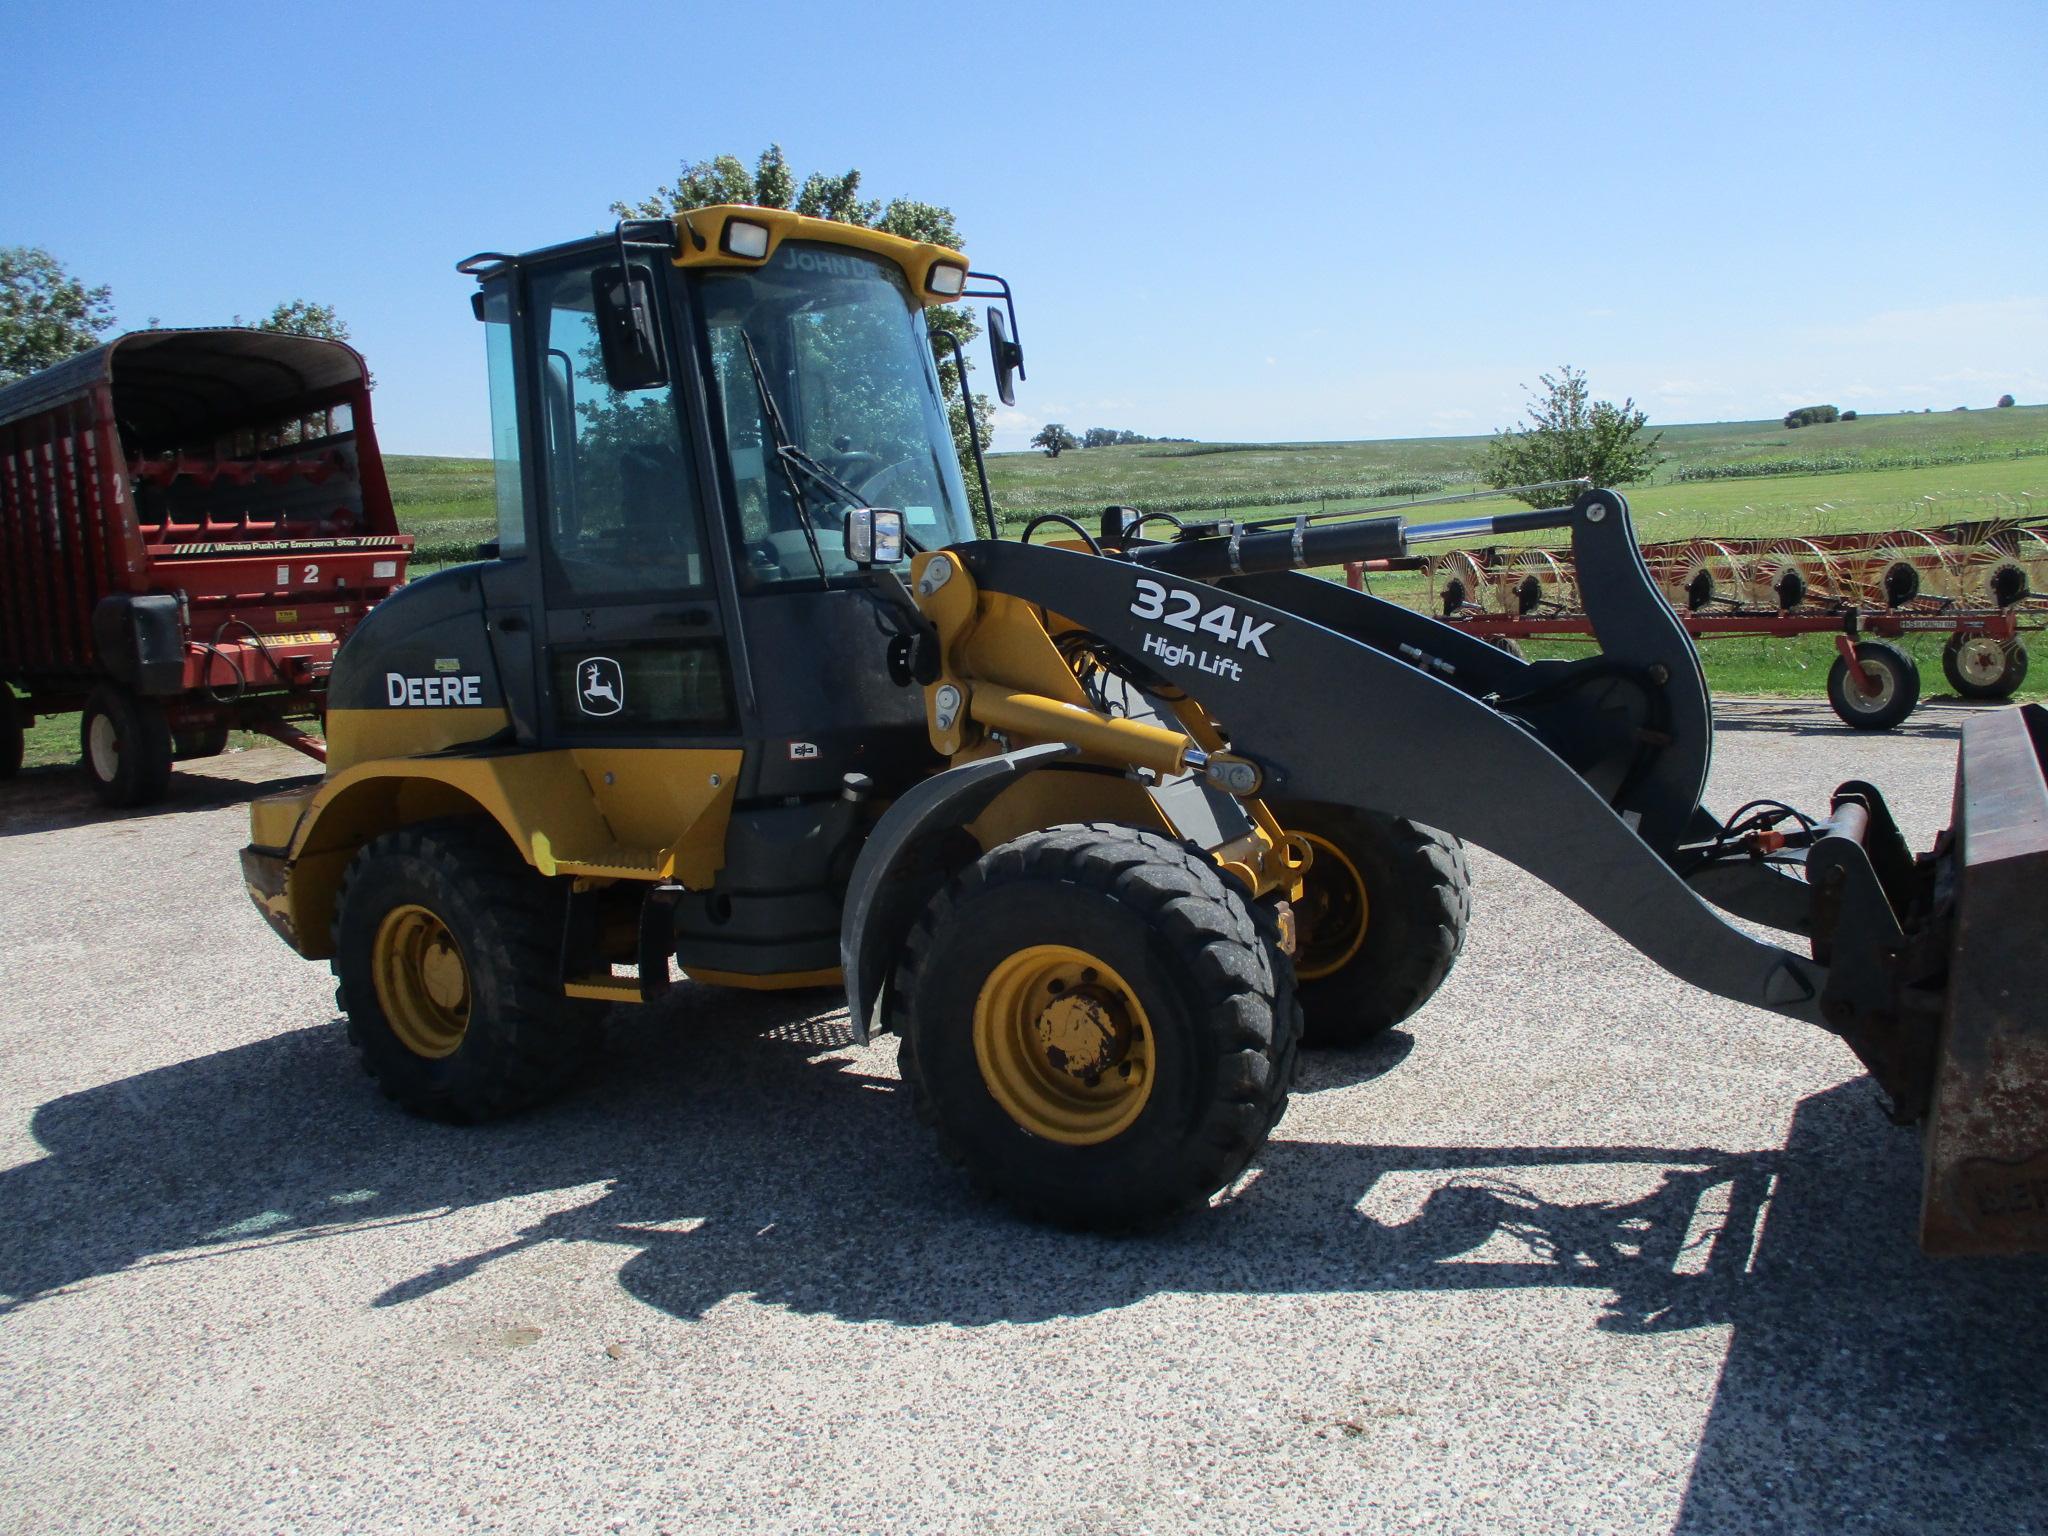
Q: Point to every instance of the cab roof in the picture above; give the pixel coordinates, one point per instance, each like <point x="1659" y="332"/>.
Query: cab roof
<point x="704" y="241"/>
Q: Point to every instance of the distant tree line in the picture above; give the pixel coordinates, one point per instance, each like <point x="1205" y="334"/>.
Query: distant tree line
<point x="1116" y="437"/>
<point x="1814" y="416"/>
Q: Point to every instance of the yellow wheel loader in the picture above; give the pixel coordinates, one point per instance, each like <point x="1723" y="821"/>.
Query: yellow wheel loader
<point x="1102" y="825"/>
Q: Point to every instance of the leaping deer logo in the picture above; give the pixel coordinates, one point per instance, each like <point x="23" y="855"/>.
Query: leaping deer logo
<point x="603" y="690"/>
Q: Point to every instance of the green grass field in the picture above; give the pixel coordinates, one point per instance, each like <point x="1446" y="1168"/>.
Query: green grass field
<point x="1880" y="472"/>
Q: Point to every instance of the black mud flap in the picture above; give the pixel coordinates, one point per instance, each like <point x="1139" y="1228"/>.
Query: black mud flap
<point x="878" y="912"/>
<point x="1986" y="1188"/>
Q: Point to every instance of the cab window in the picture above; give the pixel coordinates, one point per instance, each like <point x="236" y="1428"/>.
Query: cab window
<point x="623" y="521"/>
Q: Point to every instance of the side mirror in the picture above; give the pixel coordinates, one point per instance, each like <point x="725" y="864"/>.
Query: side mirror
<point x="627" y="331"/>
<point x="874" y="536"/>
<point x="1006" y="354"/>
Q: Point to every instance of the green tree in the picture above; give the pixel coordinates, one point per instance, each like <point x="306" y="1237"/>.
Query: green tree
<point x="1054" y="439"/>
<point x="2004" y="400"/>
<point x="302" y="317"/>
<point x="1568" y="435"/>
<point x="772" y="184"/>
<point x="46" y="314"/>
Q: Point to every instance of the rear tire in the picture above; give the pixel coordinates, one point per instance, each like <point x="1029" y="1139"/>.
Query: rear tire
<point x="447" y="948"/>
<point x="13" y="741"/>
<point x="1979" y="667"/>
<point x="1898" y="677"/>
<point x="1098" y="1027"/>
<point x="1382" y="919"/>
<point x="124" y="742"/>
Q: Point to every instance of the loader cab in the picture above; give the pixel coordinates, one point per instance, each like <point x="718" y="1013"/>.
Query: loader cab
<point x="656" y="581"/>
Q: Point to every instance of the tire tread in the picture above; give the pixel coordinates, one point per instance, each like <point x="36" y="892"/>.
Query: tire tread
<point x="1243" y="985"/>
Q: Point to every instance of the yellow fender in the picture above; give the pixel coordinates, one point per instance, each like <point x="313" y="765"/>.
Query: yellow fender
<point x="599" y="812"/>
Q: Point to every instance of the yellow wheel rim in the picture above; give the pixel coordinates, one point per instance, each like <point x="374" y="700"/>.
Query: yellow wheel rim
<point x="1063" y="1044"/>
<point x="1331" y="917"/>
<point x="422" y="982"/>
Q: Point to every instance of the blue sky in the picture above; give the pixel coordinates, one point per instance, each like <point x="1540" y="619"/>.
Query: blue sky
<point x="1250" y="221"/>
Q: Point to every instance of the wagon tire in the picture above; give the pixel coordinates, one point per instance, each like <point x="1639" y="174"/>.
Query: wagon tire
<point x="199" y="741"/>
<point x="1382" y="919"/>
<point x="12" y="740"/>
<point x="1898" y="677"/>
<point x="124" y="743"/>
<point x="447" y="953"/>
<point x="1101" y="927"/>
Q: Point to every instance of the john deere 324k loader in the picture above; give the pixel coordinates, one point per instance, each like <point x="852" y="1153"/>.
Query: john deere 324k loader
<point x="740" y="688"/>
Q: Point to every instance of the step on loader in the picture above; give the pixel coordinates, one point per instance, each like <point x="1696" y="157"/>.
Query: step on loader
<point x="742" y="692"/>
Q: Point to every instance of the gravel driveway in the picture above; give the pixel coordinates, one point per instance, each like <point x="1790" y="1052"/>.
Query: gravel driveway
<point x="1578" y="1250"/>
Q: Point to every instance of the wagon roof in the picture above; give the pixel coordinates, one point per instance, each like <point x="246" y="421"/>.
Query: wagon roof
<point x="171" y="383"/>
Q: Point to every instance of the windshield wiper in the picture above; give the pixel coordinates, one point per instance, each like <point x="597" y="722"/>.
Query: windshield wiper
<point x="787" y="454"/>
<point x="800" y="459"/>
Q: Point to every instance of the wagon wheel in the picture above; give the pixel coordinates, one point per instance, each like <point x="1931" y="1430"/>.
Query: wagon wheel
<point x="125" y="744"/>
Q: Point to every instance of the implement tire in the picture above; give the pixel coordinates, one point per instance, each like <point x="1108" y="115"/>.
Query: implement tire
<point x="1100" y="1030"/>
<point x="1381" y="921"/>
<point x="13" y="741"/>
<point x="1898" y="687"/>
<point x="447" y="950"/>
<point x="1979" y="667"/>
<point x="124" y="743"/>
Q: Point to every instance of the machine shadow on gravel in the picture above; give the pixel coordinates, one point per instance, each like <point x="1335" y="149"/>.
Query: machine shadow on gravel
<point x="56" y="798"/>
<point x="1862" y="1380"/>
<point x="1936" y="719"/>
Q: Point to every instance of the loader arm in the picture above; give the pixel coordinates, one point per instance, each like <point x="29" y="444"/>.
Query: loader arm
<point x="1309" y="705"/>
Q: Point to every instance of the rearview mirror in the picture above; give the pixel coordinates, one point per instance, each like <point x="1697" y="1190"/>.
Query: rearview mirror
<point x="874" y="536"/>
<point x="627" y="331"/>
<point x="1006" y="355"/>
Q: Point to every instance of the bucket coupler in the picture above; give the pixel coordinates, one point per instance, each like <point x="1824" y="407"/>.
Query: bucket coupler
<point x="1588" y="774"/>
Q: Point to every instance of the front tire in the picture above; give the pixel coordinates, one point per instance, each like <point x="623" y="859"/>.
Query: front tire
<point x="1382" y="919"/>
<point x="446" y="947"/>
<point x="124" y="741"/>
<point x="1100" y="1030"/>
<point x="1979" y="667"/>
<point x="1898" y="687"/>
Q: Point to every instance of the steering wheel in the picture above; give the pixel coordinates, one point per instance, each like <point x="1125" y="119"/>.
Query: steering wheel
<point x="855" y="465"/>
<point x="880" y="473"/>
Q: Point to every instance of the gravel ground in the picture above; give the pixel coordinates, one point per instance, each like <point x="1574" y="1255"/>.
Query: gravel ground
<point x="1578" y="1250"/>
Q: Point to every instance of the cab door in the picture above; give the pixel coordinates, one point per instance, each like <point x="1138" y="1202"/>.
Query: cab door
<point x="632" y="647"/>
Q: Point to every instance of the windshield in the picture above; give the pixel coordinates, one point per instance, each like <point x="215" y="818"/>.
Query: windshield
<point x="844" y="354"/>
